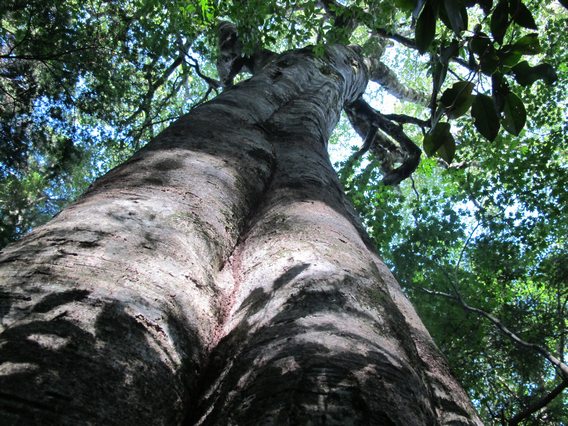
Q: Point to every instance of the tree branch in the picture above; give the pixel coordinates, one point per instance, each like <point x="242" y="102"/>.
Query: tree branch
<point x="362" y="117"/>
<point x="407" y="119"/>
<point x="211" y="82"/>
<point x="541" y="403"/>
<point x="383" y="75"/>
<point x="562" y="368"/>
<point x="145" y="103"/>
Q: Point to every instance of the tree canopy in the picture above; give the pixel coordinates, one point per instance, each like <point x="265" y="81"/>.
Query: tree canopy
<point x="474" y="230"/>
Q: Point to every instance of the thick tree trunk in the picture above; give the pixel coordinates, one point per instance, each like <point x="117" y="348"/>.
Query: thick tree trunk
<point x="221" y="277"/>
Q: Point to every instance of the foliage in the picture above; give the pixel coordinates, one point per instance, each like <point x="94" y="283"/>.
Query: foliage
<point x="494" y="228"/>
<point x="84" y="85"/>
<point x="81" y="87"/>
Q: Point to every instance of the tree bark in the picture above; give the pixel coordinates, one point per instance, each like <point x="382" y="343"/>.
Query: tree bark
<point x="221" y="277"/>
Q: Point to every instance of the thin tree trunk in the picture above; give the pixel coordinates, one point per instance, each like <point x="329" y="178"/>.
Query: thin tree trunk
<point x="220" y="277"/>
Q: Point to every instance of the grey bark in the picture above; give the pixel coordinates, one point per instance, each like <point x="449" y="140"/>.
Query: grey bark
<point x="221" y="277"/>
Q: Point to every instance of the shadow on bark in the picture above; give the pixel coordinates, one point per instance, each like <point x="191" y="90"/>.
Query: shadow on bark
<point x="59" y="370"/>
<point x="293" y="371"/>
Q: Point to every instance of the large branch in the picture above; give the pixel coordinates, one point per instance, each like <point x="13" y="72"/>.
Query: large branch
<point x="379" y="72"/>
<point x="364" y="118"/>
<point x="538" y="405"/>
<point x="387" y="78"/>
<point x="231" y="61"/>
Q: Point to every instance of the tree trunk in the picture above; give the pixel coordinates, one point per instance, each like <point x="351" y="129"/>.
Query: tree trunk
<point x="221" y="277"/>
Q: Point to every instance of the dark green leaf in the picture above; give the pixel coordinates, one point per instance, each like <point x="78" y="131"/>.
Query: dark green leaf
<point x="500" y="21"/>
<point x="457" y="99"/>
<point x="439" y="71"/>
<point x="509" y="57"/>
<point x="418" y="8"/>
<point x="527" y="45"/>
<point x="523" y="16"/>
<point x="456" y="14"/>
<point x="486" y="119"/>
<point x="514" y="114"/>
<point x="527" y="75"/>
<point x="489" y="61"/>
<point x="449" y="51"/>
<point x="405" y="4"/>
<point x="479" y="43"/>
<point x="441" y="142"/>
<point x="426" y="27"/>
<point x="486" y="5"/>
<point x="499" y="89"/>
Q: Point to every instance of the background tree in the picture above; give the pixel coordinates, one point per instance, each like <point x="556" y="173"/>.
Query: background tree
<point x="469" y="230"/>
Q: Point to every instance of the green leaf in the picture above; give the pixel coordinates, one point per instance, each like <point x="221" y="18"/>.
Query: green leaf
<point x="514" y="114"/>
<point x="510" y="58"/>
<point x="407" y="5"/>
<point x="527" y="75"/>
<point x="439" y="71"/>
<point x="457" y="99"/>
<point x="419" y="6"/>
<point x="426" y="27"/>
<point x="527" y="45"/>
<point x="456" y="14"/>
<point x="489" y="61"/>
<point x="449" y="51"/>
<point x="486" y="119"/>
<point x="499" y="90"/>
<point x="479" y="43"/>
<point x="523" y="16"/>
<point x="440" y="142"/>
<point x="500" y="21"/>
<point x="485" y="5"/>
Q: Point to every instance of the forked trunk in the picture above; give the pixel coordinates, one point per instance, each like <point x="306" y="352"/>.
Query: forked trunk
<point x="221" y="277"/>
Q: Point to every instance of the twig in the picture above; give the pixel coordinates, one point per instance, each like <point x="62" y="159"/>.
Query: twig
<point x="211" y="82"/>
<point x="562" y="368"/>
<point x="414" y="189"/>
<point x="407" y="119"/>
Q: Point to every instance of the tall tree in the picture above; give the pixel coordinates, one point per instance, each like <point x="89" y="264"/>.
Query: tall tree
<point x="222" y="263"/>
